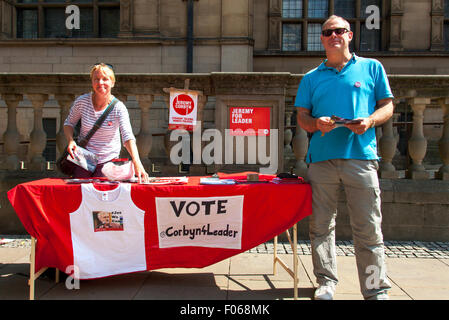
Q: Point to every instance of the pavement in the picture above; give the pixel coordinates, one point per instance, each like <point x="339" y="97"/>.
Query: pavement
<point x="417" y="271"/>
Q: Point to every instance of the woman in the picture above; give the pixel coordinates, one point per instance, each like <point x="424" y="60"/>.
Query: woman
<point x="105" y="143"/>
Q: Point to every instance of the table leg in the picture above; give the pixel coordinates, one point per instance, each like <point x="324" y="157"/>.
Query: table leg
<point x="295" y="261"/>
<point x="34" y="275"/>
<point x="276" y="259"/>
<point x="275" y="255"/>
<point x="32" y="267"/>
<point x="56" y="275"/>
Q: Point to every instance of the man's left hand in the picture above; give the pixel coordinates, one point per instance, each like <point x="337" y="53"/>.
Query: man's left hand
<point x="362" y="127"/>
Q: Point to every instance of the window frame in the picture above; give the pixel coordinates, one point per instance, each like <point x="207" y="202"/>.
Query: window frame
<point x="446" y="26"/>
<point x="41" y="6"/>
<point x="358" y="21"/>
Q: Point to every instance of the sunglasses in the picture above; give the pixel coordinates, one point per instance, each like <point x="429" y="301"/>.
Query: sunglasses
<point x="338" y="32"/>
<point x="105" y="64"/>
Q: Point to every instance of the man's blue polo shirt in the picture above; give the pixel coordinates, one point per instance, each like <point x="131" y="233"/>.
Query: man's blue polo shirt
<point x="351" y="93"/>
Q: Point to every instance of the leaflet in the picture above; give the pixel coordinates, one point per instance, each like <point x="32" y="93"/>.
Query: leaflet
<point x="84" y="158"/>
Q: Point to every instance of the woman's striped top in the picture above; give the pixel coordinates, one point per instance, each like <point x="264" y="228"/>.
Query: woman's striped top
<point x="105" y="143"/>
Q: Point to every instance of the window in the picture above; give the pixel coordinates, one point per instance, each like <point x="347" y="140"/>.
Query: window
<point x="302" y="21"/>
<point x="291" y="37"/>
<point x="47" y="19"/>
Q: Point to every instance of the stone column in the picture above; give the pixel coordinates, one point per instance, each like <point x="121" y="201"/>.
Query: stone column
<point x="145" y="137"/>
<point x="169" y="168"/>
<point x="397" y="12"/>
<point x="123" y="98"/>
<point x="196" y="144"/>
<point x="387" y="147"/>
<point x="126" y="18"/>
<point x="443" y="144"/>
<point x="437" y="37"/>
<point x="300" y="147"/>
<point x="65" y="101"/>
<point x="11" y="137"/>
<point x="274" y="25"/>
<point x="38" y="137"/>
<point x="417" y="144"/>
<point x="288" y="133"/>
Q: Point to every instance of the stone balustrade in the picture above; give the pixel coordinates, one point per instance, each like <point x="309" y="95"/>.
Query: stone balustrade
<point x="220" y="90"/>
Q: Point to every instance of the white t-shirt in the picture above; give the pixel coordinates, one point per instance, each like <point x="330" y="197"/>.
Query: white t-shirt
<point x="108" y="233"/>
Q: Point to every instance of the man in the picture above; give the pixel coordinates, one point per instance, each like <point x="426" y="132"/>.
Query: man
<point x="349" y="87"/>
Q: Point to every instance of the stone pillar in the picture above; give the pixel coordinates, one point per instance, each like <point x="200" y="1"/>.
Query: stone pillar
<point x="38" y="137"/>
<point x="196" y="143"/>
<point x="300" y="147"/>
<point x="288" y="133"/>
<point x="437" y="37"/>
<point x="443" y="144"/>
<point x="395" y="130"/>
<point x="145" y="137"/>
<point x="167" y="143"/>
<point x="274" y="25"/>
<point x="123" y="98"/>
<point x="126" y="18"/>
<point x="397" y="12"/>
<point x="65" y="101"/>
<point x="417" y="144"/>
<point x="11" y="137"/>
<point x="387" y="147"/>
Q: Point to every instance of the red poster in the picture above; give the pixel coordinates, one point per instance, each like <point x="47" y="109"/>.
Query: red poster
<point x="249" y="121"/>
<point x="183" y="110"/>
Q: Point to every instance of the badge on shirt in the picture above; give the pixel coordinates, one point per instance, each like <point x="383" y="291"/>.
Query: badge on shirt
<point x="357" y="84"/>
<point x="109" y="123"/>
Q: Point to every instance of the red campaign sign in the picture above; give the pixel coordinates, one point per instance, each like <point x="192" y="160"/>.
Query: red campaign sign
<point x="249" y="121"/>
<point x="182" y="110"/>
<point x="183" y="104"/>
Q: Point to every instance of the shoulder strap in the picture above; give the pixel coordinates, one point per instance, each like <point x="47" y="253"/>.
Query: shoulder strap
<point x="98" y="123"/>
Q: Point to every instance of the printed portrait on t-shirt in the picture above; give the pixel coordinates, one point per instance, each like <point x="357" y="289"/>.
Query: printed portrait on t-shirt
<point x="107" y="221"/>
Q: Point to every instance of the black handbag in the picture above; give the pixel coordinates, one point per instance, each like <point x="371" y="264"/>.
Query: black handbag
<point x="66" y="166"/>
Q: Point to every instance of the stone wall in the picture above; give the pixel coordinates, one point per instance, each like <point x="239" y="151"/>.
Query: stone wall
<point x="411" y="210"/>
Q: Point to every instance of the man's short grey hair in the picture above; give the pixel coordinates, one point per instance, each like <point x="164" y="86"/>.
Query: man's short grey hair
<point x="334" y="17"/>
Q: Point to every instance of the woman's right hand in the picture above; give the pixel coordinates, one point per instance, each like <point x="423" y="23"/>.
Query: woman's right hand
<point x="71" y="148"/>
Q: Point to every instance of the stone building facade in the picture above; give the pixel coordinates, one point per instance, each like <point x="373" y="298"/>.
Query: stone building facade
<point x="237" y="52"/>
<point x="154" y="36"/>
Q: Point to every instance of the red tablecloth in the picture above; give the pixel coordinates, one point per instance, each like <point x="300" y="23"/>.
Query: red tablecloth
<point x="43" y="207"/>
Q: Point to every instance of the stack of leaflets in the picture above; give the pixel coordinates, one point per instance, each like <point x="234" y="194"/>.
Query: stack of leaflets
<point x="84" y="158"/>
<point x="167" y="180"/>
<point x="340" y="122"/>
<point x="216" y="181"/>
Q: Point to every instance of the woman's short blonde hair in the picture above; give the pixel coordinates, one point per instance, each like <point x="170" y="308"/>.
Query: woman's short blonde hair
<point x="103" y="68"/>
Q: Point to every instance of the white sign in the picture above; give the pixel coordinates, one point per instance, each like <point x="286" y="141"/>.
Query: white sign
<point x="214" y="222"/>
<point x="183" y="110"/>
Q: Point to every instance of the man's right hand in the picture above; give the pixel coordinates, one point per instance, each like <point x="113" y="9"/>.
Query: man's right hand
<point x="325" y="124"/>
